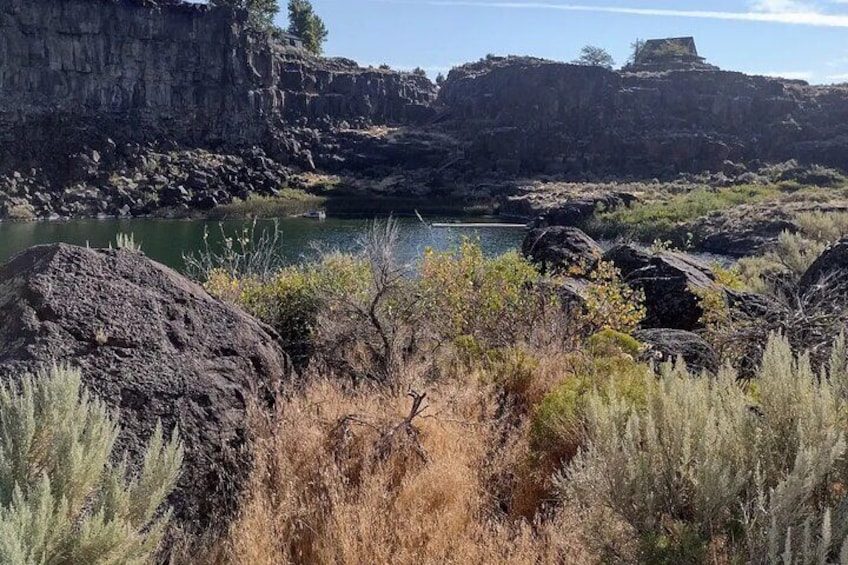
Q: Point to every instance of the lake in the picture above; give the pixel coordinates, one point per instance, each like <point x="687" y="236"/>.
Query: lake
<point x="166" y="240"/>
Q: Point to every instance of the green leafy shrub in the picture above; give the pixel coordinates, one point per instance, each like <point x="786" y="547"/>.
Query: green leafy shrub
<point x="557" y="428"/>
<point x="610" y="303"/>
<point x="609" y="343"/>
<point x="61" y="500"/>
<point x="292" y="299"/>
<point x="701" y="475"/>
<point x="288" y="202"/>
<point x="494" y="300"/>
<point x="511" y="368"/>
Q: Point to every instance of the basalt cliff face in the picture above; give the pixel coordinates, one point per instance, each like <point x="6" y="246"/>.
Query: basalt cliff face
<point x="532" y="116"/>
<point x="131" y="107"/>
<point x="73" y="72"/>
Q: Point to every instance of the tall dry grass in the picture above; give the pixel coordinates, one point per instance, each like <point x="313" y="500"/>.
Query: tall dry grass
<point x="346" y="477"/>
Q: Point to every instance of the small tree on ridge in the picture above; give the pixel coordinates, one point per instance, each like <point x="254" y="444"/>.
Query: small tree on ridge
<point x="260" y="13"/>
<point x="593" y="56"/>
<point x="305" y="23"/>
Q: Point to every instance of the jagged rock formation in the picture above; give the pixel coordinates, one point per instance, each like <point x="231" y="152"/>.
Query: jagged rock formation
<point x="531" y="115"/>
<point x="90" y="88"/>
<point x="670" y="282"/>
<point x="74" y="72"/>
<point x="155" y="347"/>
<point x="667" y="345"/>
<point x="830" y="270"/>
<point x="560" y="249"/>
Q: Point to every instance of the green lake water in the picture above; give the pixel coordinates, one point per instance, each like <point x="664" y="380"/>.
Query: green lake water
<point x="167" y="240"/>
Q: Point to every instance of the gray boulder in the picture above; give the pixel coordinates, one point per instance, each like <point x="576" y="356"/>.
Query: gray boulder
<point x="664" y="344"/>
<point x="155" y="347"/>
<point x="557" y="248"/>
<point x="669" y="281"/>
<point x="831" y="268"/>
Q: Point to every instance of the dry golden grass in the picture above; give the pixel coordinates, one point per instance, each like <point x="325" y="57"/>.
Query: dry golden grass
<point x="340" y="479"/>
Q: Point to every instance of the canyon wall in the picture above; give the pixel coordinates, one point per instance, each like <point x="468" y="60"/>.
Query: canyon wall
<point x="78" y="76"/>
<point x="530" y="115"/>
<point x="75" y="71"/>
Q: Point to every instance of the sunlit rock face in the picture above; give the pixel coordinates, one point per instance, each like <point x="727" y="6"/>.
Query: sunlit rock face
<point x="136" y="70"/>
<point x="531" y="116"/>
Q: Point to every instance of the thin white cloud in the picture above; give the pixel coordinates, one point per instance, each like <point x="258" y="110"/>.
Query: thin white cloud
<point x="809" y="18"/>
<point x="781" y="6"/>
<point x="842" y="77"/>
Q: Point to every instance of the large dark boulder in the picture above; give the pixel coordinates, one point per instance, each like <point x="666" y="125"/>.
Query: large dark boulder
<point x="831" y="268"/>
<point x="155" y="347"/>
<point x="580" y="210"/>
<point x="670" y="282"/>
<point x="664" y="344"/>
<point x="558" y="248"/>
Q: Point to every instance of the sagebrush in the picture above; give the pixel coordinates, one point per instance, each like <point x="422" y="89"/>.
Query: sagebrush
<point x="63" y="500"/>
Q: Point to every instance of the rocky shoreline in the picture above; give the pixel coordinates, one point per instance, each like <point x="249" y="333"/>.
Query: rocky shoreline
<point x="206" y="113"/>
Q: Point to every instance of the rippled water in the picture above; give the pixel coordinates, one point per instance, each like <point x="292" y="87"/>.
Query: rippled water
<point x="167" y="240"/>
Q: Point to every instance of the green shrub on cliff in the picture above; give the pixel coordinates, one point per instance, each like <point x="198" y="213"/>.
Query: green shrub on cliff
<point x="61" y="499"/>
<point x="592" y="56"/>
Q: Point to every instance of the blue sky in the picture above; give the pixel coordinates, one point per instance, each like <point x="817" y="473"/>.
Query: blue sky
<point x="805" y="39"/>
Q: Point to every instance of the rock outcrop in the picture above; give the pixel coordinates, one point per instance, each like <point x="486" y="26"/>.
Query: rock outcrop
<point x="155" y="347"/>
<point x="667" y="345"/>
<point x="670" y="282"/>
<point x="528" y="116"/>
<point x="76" y="72"/>
<point x="88" y="86"/>
<point x="830" y="269"/>
<point x="558" y="249"/>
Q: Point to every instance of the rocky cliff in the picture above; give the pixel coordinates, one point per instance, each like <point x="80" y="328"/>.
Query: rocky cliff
<point x="531" y="115"/>
<point x="74" y="72"/>
<point x="133" y="107"/>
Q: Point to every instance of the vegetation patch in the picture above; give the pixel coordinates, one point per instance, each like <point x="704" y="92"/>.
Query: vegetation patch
<point x="661" y="219"/>
<point x="289" y="202"/>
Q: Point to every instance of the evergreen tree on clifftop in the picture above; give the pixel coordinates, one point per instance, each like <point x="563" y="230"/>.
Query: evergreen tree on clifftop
<point x="260" y="12"/>
<point x="304" y="23"/>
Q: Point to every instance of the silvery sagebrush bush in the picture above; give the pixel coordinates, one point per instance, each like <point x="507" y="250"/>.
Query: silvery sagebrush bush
<point x="710" y="466"/>
<point x="62" y="499"/>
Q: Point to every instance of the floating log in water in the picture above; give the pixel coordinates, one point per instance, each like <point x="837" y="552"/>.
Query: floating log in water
<point x="480" y="225"/>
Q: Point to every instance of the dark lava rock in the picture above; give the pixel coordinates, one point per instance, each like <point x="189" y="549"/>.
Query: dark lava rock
<point x="668" y="280"/>
<point x="752" y="304"/>
<point x="154" y="346"/>
<point x="578" y="212"/>
<point x="666" y="344"/>
<point x="174" y="196"/>
<point x="570" y="291"/>
<point x="830" y="268"/>
<point x="557" y="248"/>
<point x="725" y="238"/>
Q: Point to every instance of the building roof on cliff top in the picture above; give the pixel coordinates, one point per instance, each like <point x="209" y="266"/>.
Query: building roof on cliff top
<point x="668" y="47"/>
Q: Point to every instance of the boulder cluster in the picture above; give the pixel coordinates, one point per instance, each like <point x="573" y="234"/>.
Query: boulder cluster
<point x="674" y="285"/>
